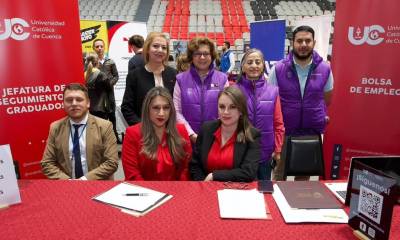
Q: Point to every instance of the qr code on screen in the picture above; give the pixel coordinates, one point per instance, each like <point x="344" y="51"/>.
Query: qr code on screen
<point x="370" y="204"/>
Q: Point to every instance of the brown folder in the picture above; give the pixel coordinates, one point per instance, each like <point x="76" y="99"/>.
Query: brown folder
<point x="308" y="195"/>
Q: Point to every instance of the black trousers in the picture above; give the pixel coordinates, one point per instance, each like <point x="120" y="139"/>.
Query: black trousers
<point x="113" y="120"/>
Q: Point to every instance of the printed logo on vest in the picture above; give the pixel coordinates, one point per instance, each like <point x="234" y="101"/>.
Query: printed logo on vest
<point x="289" y="74"/>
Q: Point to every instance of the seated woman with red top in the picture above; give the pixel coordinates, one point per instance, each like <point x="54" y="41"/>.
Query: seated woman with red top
<point x="157" y="149"/>
<point x="227" y="149"/>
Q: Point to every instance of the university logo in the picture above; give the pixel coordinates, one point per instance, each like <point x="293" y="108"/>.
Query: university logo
<point x="371" y="35"/>
<point x="13" y="28"/>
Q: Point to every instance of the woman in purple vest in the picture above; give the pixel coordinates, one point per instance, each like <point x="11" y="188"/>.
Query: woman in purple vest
<point x="264" y="109"/>
<point x="196" y="90"/>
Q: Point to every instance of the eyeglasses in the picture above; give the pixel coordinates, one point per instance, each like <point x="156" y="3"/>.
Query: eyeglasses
<point x="199" y="54"/>
<point x="236" y="185"/>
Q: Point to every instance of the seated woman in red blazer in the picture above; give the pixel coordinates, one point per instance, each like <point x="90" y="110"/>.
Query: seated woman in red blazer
<point x="158" y="148"/>
<point x="227" y="149"/>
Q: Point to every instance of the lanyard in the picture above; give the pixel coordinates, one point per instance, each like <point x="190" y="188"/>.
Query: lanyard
<point x="79" y="135"/>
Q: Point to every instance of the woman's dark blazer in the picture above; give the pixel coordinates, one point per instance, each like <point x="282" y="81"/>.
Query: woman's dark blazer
<point x="246" y="157"/>
<point x="138" y="83"/>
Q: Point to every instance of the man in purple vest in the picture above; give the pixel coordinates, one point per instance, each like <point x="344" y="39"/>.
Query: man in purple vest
<point x="305" y="84"/>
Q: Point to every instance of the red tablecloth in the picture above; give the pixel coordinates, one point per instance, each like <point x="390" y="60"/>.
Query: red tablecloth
<point x="65" y="210"/>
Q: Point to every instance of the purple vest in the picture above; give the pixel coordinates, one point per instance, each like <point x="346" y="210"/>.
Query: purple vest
<point x="302" y="116"/>
<point x="199" y="99"/>
<point x="261" y="98"/>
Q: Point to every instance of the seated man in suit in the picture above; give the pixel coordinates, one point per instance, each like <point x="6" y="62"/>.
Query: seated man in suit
<point x="80" y="146"/>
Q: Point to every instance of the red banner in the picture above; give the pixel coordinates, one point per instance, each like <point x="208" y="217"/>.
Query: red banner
<point x="365" y="115"/>
<point x="40" y="47"/>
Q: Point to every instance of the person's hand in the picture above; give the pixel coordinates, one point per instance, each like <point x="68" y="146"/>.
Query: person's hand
<point x="83" y="178"/>
<point x="193" y="138"/>
<point x="209" y="177"/>
<point x="276" y="156"/>
<point x="327" y="119"/>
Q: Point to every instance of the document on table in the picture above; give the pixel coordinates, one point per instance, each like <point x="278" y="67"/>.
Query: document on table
<point x="308" y="195"/>
<point x="140" y="214"/>
<point x="133" y="198"/>
<point x="243" y="204"/>
<point x="9" y="191"/>
<point x="297" y="215"/>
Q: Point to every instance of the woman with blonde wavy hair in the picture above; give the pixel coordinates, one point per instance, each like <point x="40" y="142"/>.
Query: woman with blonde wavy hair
<point x="157" y="149"/>
<point x="98" y="87"/>
<point x="154" y="73"/>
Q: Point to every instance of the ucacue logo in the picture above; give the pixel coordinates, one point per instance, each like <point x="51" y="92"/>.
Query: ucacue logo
<point x="14" y="28"/>
<point x="371" y="35"/>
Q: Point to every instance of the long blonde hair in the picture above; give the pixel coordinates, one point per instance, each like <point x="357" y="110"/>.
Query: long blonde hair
<point x="182" y="63"/>
<point x="150" y="140"/>
<point x="92" y="60"/>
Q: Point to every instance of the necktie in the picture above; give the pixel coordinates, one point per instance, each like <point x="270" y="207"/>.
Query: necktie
<point x="77" y="152"/>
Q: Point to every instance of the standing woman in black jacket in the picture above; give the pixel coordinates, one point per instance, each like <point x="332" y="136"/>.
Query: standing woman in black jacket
<point x="98" y="87"/>
<point x="155" y="73"/>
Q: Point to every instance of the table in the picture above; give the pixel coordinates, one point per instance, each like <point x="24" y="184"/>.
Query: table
<point x="64" y="210"/>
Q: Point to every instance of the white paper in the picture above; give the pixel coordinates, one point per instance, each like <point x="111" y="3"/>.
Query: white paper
<point x="116" y="196"/>
<point x="246" y="204"/>
<point x="296" y="215"/>
<point x="335" y="186"/>
<point x="138" y="214"/>
<point x="9" y="192"/>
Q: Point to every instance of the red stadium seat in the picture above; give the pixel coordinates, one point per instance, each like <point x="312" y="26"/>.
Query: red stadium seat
<point x="219" y="35"/>
<point x="192" y="35"/>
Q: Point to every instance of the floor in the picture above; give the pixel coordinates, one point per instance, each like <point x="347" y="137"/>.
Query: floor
<point x="119" y="174"/>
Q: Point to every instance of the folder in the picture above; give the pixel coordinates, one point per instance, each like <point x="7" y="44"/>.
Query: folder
<point x="298" y="215"/>
<point x="308" y="195"/>
<point x="133" y="199"/>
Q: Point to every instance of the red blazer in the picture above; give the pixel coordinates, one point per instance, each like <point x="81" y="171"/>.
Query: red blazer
<point x="138" y="167"/>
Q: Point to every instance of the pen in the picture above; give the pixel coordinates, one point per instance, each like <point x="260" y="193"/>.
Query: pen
<point x="136" y="194"/>
<point x="333" y="216"/>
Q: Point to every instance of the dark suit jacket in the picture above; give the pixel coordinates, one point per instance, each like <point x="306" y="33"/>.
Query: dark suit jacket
<point x="245" y="157"/>
<point x="98" y="89"/>
<point x="109" y="68"/>
<point x="135" y="62"/>
<point x="138" y="83"/>
<point x="101" y="150"/>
